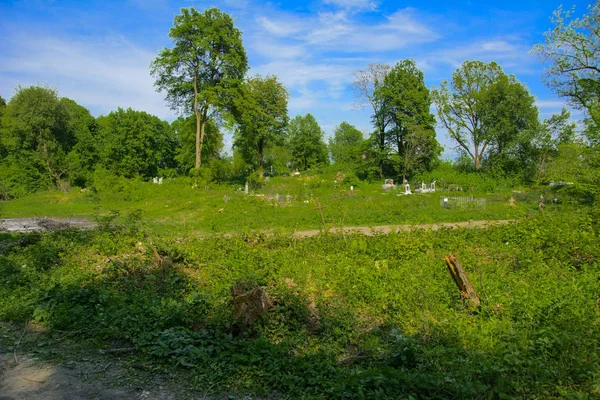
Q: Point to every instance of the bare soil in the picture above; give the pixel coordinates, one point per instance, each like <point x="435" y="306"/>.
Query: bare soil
<point x="43" y="224"/>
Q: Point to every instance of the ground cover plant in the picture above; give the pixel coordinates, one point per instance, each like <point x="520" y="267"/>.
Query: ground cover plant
<point x="352" y="316"/>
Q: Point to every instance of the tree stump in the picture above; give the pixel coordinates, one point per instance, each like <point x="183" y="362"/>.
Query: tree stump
<point x="248" y="306"/>
<point x="467" y="291"/>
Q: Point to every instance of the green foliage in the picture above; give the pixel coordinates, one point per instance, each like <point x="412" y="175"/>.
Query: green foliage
<point x="262" y="118"/>
<point x="306" y="143"/>
<point x="485" y="111"/>
<point x="202" y="71"/>
<point x="571" y="51"/>
<point x="352" y="317"/>
<point x="410" y="132"/>
<point x="346" y="145"/>
<point x="135" y="143"/>
<point x="184" y="131"/>
<point x="45" y="141"/>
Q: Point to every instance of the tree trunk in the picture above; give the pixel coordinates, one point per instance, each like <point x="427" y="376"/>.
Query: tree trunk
<point x="198" y="121"/>
<point x="260" y="163"/>
<point x="199" y="147"/>
<point x="467" y="291"/>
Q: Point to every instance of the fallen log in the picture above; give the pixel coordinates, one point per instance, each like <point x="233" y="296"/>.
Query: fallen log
<point x="467" y="291"/>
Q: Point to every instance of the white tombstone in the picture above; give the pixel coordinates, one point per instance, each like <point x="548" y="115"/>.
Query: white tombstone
<point x="160" y="181"/>
<point x="154" y="180"/>
<point x="246" y="188"/>
<point x="351" y="187"/>
<point x="407" y="189"/>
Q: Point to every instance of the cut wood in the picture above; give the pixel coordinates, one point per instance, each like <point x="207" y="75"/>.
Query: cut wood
<point x="467" y="291"/>
<point x="249" y="306"/>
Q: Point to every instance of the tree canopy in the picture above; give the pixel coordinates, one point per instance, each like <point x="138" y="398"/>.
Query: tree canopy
<point x="204" y="67"/>
<point x="482" y="109"/>
<point x="572" y="53"/>
<point x="135" y="143"/>
<point x="410" y="124"/>
<point x="346" y="144"/>
<point x="262" y="118"/>
<point x="306" y="143"/>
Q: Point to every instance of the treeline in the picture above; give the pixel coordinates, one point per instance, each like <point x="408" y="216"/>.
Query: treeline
<point x="47" y="141"/>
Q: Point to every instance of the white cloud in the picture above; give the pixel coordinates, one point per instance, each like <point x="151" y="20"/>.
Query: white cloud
<point x="99" y="74"/>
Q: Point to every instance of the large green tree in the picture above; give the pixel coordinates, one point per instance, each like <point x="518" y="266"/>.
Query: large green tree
<point x="410" y="124"/>
<point x="306" y="143"/>
<point x="365" y="84"/>
<point x="135" y="143"/>
<point x="206" y="63"/>
<point x="346" y="146"/>
<point x="572" y="53"/>
<point x="262" y="117"/>
<point x="484" y="109"/>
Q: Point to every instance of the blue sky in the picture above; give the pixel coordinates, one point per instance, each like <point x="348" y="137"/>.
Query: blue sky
<point x="97" y="52"/>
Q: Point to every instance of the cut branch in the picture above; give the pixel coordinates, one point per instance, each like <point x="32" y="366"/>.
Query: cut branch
<point x="467" y="291"/>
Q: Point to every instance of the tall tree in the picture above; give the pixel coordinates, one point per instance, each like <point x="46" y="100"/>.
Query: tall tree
<point x="483" y="108"/>
<point x="366" y="82"/>
<point x="35" y="128"/>
<point x="207" y="62"/>
<point x="135" y="143"/>
<point x="572" y="52"/>
<point x="306" y="142"/>
<point x="262" y="118"/>
<point x="406" y="113"/>
<point x="184" y="131"/>
<point x="346" y="144"/>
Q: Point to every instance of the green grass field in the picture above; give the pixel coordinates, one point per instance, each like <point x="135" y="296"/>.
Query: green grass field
<point x="175" y="209"/>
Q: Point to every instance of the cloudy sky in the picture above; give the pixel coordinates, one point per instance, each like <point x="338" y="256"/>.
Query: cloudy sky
<point x="97" y="52"/>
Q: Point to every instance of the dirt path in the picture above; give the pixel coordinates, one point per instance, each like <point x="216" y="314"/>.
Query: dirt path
<point x="384" y="229"/>
<point x="43" y="224"/>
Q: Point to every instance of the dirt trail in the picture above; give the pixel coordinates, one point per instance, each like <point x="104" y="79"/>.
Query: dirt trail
<point x="43" y="224"/>
<point x="32" y="379"/>
<point x="384" y="229"/>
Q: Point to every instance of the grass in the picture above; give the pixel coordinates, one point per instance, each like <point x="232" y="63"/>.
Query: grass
<point x="353" y="317"/>
<point x="174" y="209"/>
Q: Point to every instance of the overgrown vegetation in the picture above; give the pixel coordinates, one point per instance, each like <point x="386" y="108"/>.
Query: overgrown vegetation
<point x="353" y="317"/>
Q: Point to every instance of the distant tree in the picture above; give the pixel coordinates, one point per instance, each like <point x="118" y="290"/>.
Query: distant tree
<point x="135" y="143"/>
<point x="556" y="131"/>
<point x="278" y="159"/>
<point x="306" y="143"/>
<point x="184" y="131"/>
<point x="366" y="82"/>
<point x="346" y="144"/>
<point x="83" y="157"/>
<point x="262" y="117"/>
<point x="207" y="61"/>
<point x="35" y="133"/>
<point x="484" y="109"/>
<point x="572" y="52"/>
<point x="2" y="106"/>
<point x="410" y="124"/>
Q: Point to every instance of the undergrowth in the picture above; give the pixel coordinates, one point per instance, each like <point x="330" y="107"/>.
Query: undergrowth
<point x="352" y="316"/>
